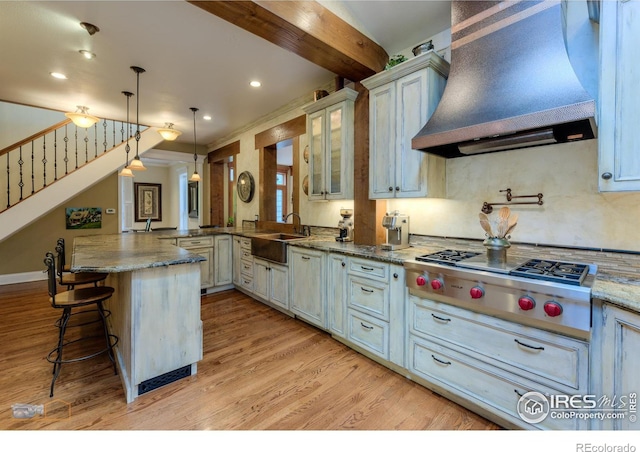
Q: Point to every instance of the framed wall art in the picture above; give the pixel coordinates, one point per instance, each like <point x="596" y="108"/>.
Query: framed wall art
<point x="83" y="217"/>
<point x="147" y="201"/>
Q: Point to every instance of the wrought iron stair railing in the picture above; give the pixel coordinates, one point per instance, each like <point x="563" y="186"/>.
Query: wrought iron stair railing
<point x="38" y="161"/>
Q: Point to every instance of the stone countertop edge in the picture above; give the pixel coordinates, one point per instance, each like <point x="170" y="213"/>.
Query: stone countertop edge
<point x="619" y="285"/>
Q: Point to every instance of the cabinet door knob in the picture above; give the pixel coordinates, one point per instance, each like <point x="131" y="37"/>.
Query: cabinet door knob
<point x="390" y="188"/>
<point x="395" y="276"/>
<point x="607" y="176"/>
<point x="397" y="188"/>
<point x="343" y="264"/>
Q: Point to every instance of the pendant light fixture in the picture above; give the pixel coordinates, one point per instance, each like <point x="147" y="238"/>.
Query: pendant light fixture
<point x="82" y="118"/>
<point x="126" y="172"/>
<point x="136" y="163"/>
<point x="195" y="177"/>
<point x="168" y="132"/>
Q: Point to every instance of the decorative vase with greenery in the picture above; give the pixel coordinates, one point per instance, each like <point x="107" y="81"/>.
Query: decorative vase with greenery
<point x="395" y="60"/>
<point x="230" y="222"/>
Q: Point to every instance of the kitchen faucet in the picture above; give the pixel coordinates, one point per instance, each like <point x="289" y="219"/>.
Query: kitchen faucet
<point x="303" y="229"/>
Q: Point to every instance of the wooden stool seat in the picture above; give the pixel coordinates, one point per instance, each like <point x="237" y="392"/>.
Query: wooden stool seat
<point x="72" y="300"/>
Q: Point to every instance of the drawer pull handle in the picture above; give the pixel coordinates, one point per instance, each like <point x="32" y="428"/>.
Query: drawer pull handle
<point x="305" y="258"/>
<point x="442" y="319"/>
<point x="367" y="269"/>
<point x="446" y="363"/>
<point x="366" y="290"/>
<point x="365" y="326"/>
<point x="528" y="346"/>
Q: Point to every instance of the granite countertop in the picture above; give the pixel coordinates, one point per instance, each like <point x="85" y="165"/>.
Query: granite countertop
<point x="126" y="252"/>
<point x="616" y="281"/>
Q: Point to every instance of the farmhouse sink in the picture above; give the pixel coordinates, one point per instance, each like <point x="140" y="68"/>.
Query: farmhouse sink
<point x="273" y="246"/>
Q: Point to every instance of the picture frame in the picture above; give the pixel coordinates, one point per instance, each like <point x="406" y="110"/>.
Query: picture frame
<point x="193" y="200"/>
<point x="83" y="217"/>
<point x="147" y="201"/>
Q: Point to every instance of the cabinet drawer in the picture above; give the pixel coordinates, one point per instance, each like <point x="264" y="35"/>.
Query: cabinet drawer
<point x="519" y="349"/>
<point x="475" y="380"/>
<point x="246" y="282"/>
<point x="368" y="296"/>
<point x="199" y="242"/>
<point x="369" y="333"/>
<point x="368" y="268"/>
<point x="245" y="244"/>
<point x="246" y="267"/>
<point x="246" y="255"/>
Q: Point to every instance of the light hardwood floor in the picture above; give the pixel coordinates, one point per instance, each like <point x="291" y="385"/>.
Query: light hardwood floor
<point x="262" y="370"/>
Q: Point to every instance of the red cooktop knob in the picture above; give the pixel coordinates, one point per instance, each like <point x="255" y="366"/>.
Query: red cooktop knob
<point x="526" y="303"/>
<point x="436" y="284"/>
<point x="476" y="292"/>
<point x="552" y="308"/>
<point x="421" y="281"/>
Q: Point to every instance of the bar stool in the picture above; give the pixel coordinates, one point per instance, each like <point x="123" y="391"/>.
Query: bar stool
<point x="68" y="301"/>
<point x="70" y="280"/>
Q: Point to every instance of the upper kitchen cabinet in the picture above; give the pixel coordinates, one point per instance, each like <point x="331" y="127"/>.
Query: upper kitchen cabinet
<point x="619" y="144"/>
<point x="401" y="100"/>
<point x="330" y="123"/>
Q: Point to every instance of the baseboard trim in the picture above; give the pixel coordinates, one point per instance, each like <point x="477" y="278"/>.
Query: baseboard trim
<point x="16" y="278"/>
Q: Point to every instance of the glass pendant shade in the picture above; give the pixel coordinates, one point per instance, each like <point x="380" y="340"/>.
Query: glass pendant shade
<point x="195" y="177"/>
<point x="126" y="172"/>
<point x="136" y="164"/>
<point x="168" y="132"/>
<point x="82" y="118"/>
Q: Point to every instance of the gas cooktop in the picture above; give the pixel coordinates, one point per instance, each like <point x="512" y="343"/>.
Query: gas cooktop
<point x="541" y="269"/>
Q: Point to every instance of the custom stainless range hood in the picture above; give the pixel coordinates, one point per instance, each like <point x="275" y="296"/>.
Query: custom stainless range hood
<point x="511" y="84"/>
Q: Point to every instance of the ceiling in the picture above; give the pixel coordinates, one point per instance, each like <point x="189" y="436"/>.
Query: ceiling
<point x="192" y="59"/>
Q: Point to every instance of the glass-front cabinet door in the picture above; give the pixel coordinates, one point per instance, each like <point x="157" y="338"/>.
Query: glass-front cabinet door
<point x="316" y="150"/>
<point x="330" y="123"/>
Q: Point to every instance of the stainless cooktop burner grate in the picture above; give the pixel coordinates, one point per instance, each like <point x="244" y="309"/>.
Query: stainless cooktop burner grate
<point x="564" y="272"/>
<point x="447" y="257"/>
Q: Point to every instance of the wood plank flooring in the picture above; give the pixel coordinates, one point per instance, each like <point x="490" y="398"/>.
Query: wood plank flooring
<point x="262" y="370"/>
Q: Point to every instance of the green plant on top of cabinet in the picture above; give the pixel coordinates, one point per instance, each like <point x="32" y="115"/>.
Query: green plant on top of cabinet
<point x="330" y="124"/>
<point x="618" y="142"/>
<point x="401" y="100"/>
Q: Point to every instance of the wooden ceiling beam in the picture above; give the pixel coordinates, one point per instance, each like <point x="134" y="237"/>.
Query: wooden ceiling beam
<point x="307" y="29"/>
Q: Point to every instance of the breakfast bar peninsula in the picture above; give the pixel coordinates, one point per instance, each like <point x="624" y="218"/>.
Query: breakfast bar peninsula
<point x="155" y="309"/>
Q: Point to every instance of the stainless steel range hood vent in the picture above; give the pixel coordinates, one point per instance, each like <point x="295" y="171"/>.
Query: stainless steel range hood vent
<point x="511" y="84"/>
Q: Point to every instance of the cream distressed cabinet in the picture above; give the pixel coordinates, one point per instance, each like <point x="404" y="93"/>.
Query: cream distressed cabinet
<point x="401" y="100"/>
<point x="271" y="282"/>
<point x="619" y="116"/>
<point x="620" y="365"/>
<point x="223" y="255"/>
<point x="204" y="247"/>
<point x="337" y="294"/>
<point x="308" y="293"/>
<point x="330" y="123"/>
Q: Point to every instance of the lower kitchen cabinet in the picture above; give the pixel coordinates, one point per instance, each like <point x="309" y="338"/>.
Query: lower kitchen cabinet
<point x="375" y="308"/>
<point x="620" y="364"/>
<point x="204" y="247"/>
<point x="242" y="264"/>
<point x="491" y="363"/>
<point x="271" y="282"/>
<point x="308" y="285"/>
<point x="222" y="267"/>
<point x="337" y="294"/>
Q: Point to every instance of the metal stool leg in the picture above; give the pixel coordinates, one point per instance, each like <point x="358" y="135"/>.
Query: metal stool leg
<point x="107" y="337"/>
<point x="57" y="364"/>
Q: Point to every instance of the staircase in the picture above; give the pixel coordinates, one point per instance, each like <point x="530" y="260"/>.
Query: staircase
<point x="46" y="169"/>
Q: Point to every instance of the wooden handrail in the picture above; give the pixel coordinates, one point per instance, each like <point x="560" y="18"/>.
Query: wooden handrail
<point x="35" y="136"/>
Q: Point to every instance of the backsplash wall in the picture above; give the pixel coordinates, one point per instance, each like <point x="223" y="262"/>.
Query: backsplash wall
<point x="574" y="213"/>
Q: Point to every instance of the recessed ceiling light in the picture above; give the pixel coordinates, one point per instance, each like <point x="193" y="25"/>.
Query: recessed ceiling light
<point x="255" y="84"/>
<point x="88" y="55"/>
<point x="59" y="75"/>
<point x="207" y="118"/>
